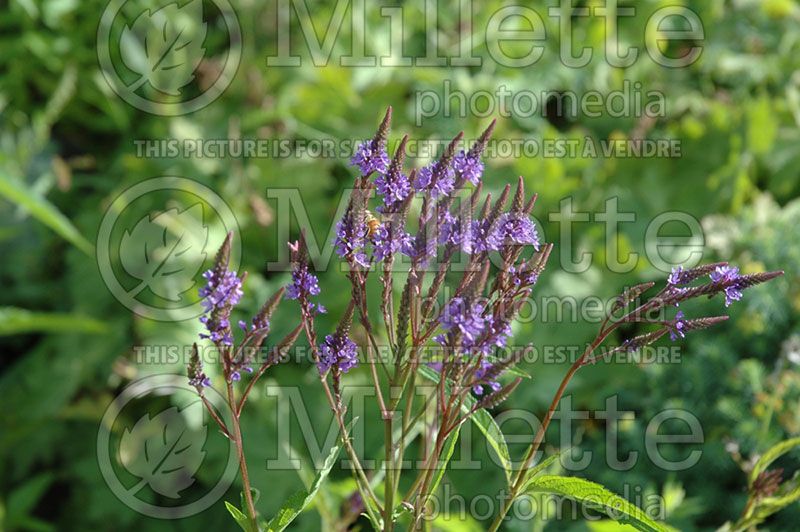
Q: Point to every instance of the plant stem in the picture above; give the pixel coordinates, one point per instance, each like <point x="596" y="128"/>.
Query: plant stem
<point x="388" y="481"/>
<point x="237" y="438"/>
<point x="519" y="480"/>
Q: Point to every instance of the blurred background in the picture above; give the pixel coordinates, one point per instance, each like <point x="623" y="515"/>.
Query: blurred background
<point x="71" y="144"/>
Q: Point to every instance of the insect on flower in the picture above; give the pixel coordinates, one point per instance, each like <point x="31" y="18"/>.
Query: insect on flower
<point x="371" y="224"/>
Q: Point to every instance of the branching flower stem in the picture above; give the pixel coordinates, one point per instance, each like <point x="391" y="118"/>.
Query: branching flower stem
<point x="530" y="455"/>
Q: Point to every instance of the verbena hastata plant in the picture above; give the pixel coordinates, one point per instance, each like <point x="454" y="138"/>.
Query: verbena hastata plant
<point x="444" y="324"/>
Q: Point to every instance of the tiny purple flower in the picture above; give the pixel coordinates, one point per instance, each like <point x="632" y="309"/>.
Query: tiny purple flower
<point x="678" y="326"/>
<point x="494" y="385"/>
<point x="451" y="231"/>
<point x="370" y="158"/>
<point x="200" y="381"/>
<point x="725" y="275"/>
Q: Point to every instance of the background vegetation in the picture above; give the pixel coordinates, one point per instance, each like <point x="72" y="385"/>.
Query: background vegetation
<point x="68" y="146"/>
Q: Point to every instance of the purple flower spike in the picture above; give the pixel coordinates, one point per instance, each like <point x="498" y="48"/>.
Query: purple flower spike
<point x="304" y="283"/>
<point x="451" y="230"/>
<point x="469" y="166"/>
<point x="388" y="241"/>
<point x="725" y="275"/>
<point x="394" y="186"/>
<point x="222" y="292"/>
<point x="464" y="318"/>
<point x="439" y="181"/>
<point x="338" y="351"/>
<point x="480" y="238"/>
<point x="370" y="157"/>
<point x="350" y="240"/>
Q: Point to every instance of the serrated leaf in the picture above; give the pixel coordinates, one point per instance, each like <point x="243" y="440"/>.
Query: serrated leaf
<point x="483" y="420"/>
<point x="298" y="501"/>
<point x="173" y="46"/>
<point x="20" y="321"/>
<point x="544" y="464"/>
<point x="165" y="252"/>
<point x="162" y="452"/>
<point x="597" y="497"/>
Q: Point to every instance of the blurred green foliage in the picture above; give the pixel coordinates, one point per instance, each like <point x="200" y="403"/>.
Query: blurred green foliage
<point x="68" y="150"/>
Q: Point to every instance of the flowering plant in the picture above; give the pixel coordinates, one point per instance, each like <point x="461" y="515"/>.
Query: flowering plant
<point x="448" y="327"/>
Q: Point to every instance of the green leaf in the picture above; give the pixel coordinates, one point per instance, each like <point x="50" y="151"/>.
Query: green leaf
<point x="770" y="456"/>
<point x="596" y="497"/>
<point x="44" y="211"/>
<point x="483" y="420"/>
<point x="20" y="321"/>
<point x="544" y="464"/>
<point x="297" y="502"/>
<point x="239" y="517"/>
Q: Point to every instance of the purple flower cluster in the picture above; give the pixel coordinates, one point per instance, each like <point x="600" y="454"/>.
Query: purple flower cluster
<point x="464" y="319"/>
<point x="469" y="166"/>
<point x="678" y="277"/>
<point x="350" y="240"/>
<point x="393" y="186"/>
<point x="522" y="277"/>
<point x="199" y="380"/>
<point x="222" y="292"/>
<point x="388" y="241"/>
<point x="437" y="179"/>
<point x="370" y="157"/>
<point x="486" y="365"/>
<point x="338" y="351"/>
<point x="304" y="283"/>
<point x="517" y="229"/>
<point x="451" y="230"/>
<point x="728" y="275"/>
<point x="481" y="238"/>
